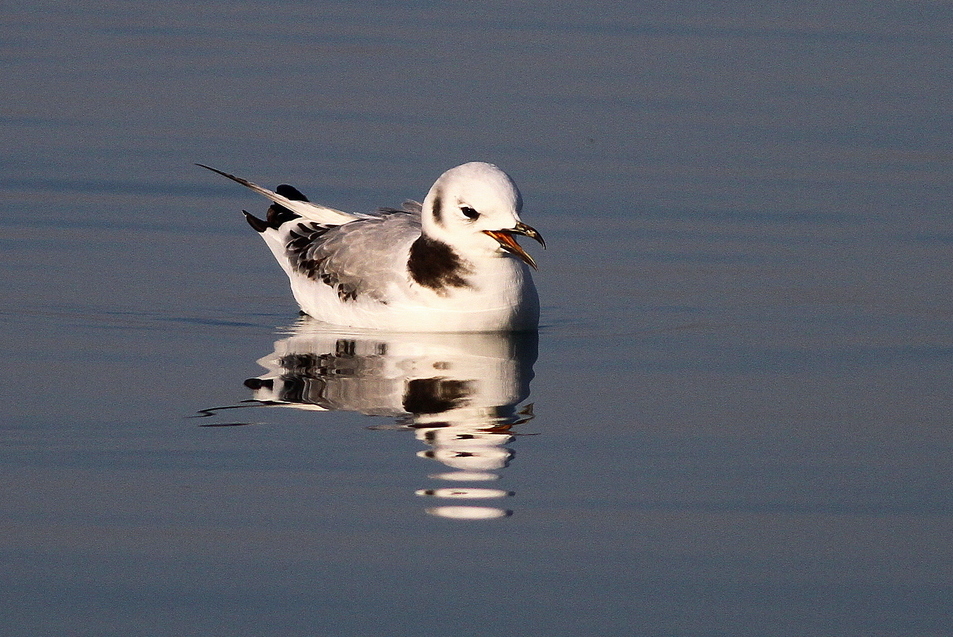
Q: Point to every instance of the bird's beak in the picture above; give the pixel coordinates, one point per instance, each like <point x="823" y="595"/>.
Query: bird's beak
<point x="508" y="243"/>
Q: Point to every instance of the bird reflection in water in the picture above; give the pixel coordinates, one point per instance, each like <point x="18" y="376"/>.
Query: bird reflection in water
<point x="462" y="394"/>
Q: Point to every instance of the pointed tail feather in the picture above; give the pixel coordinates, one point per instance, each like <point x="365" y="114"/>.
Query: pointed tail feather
<point x="306" y="209"/>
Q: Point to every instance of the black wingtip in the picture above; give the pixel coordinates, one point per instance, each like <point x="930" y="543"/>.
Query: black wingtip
<point x="259" y="225"/>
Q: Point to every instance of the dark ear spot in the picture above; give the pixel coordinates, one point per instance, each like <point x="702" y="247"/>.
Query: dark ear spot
<point x="438" y="208"/>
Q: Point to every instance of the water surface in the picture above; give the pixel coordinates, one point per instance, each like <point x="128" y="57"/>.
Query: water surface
<point x="736" y="417"/>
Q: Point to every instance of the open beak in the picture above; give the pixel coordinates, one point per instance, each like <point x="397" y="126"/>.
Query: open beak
<point x="508" y="243"/>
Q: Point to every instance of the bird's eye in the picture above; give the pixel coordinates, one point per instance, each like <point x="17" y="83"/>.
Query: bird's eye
<point x="469" y="212"/>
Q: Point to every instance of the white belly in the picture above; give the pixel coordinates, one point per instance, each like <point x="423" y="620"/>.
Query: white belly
<point x="502" y="297"/>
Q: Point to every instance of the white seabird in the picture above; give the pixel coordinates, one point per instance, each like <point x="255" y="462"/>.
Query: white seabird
<point x="450" y="264"/>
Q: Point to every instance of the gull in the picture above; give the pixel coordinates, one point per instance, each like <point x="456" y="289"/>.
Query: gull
<point x="450" y="264"/>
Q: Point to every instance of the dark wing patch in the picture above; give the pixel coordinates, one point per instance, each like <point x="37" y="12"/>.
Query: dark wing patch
<point x="260" y="225"/>
<point x="301" y="240"/>
<point x="277" y="215"/>
<point x="436" y="265"/>
<point x="290" y="192"/>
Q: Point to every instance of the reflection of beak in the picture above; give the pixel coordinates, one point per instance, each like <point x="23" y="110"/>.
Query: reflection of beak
<point x="508" y="243"/>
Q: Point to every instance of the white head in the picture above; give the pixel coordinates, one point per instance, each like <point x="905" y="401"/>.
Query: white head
<point x="475" y="209"/>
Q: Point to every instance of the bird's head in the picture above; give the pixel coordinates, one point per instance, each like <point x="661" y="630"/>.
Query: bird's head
<point x="475" y="209"/>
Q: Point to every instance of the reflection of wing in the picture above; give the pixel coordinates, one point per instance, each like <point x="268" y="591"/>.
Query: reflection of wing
<point x="459" y="393"/>
<point x="429" y="380"/>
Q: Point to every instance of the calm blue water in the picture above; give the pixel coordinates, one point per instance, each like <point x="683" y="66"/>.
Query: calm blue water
<point x="736" y="419"/>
